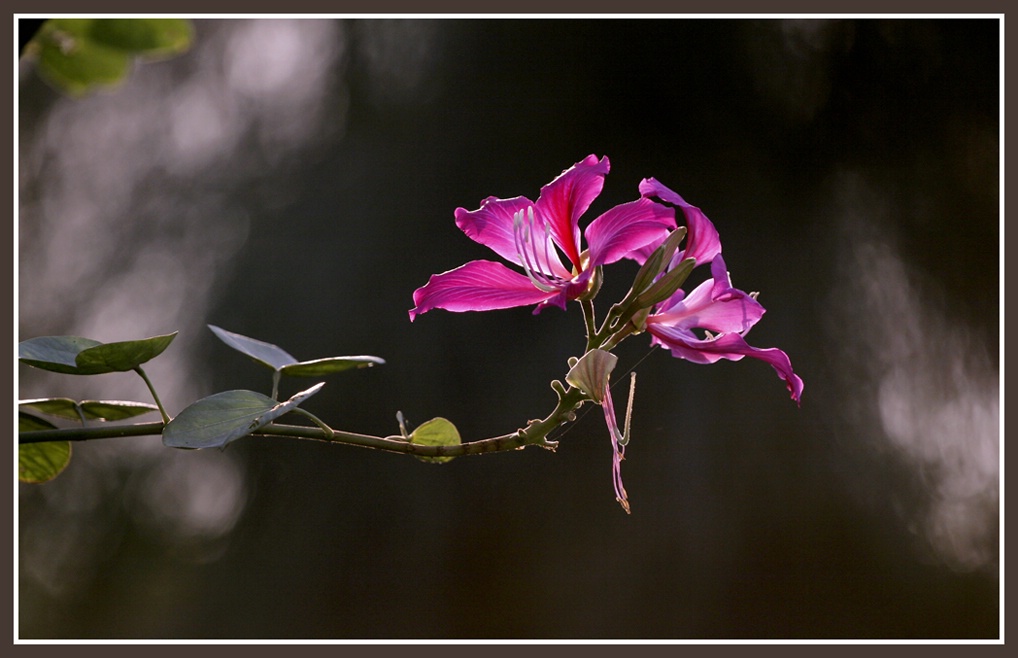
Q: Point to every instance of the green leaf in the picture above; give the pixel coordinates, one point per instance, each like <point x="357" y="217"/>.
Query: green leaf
<point x="56" y="353"/>
<point x="92" y="409"/>
<point x="590" y="374"/>
<point x="321" y="367"/>
<point x="73" y="355"/>
<point x="273" y="356"/>
<point x="143" y="36"/>
<point x="40" y="462"/>
<point x="264" y="353"/>
<point x="125" y="355"/>
<point x="436" y="432"/>
<point x="217" y="420"/>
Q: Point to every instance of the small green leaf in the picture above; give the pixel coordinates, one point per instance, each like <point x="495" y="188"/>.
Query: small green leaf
<point x="125" y="355"/>
<point x="217" y="420"/>
<point x="322" y="367"/>
<point x="590" y="374"/>
<point x="264" y="353"/>
<point x="56" y="353"/>
<point x="436" y="432"/>
<point x="40" y="462"/>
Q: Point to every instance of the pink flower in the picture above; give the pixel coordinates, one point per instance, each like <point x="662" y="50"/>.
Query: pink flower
<point x="536" y="237"/>
<point x="723" y="315"/>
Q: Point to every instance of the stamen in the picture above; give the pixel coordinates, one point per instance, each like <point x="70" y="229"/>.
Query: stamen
<point x="545" y="243"/>
<point x="525" y="248"/>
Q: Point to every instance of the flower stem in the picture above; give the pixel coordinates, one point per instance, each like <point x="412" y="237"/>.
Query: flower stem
<point x="90" y="433"/>
<point x="535" y="433"/>
<point x="590" y="322"/>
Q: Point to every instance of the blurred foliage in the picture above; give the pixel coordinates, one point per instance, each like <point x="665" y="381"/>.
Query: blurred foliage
<point x="80" y="55"/>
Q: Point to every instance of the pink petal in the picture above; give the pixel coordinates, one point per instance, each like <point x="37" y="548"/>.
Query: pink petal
<point x="492" y="224"/>
<point x="626" y="229"/>
<point x="702" y="239"/>
<point x="479" y="285"/>
<point x="714" y="305"/>
<point x="563" y="200"/>
<point x="726" y="346"/>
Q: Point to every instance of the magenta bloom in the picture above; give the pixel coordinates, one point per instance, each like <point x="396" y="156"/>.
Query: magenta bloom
<point x="723" y="314"/>
<point x="536" y="237"/>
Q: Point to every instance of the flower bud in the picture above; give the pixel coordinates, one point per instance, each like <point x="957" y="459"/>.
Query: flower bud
<point x="666" y="286"/>
<point x="658" y="260"/>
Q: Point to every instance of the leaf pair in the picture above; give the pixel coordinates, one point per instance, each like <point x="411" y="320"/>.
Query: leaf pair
<point x="282" y="363"/>
<point x="41" y="462"/>
<point x="73" y="355"/>
<point x="219" y="419"/>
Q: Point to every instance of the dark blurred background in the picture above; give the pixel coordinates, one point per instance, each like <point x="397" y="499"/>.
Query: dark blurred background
<point x="295" y="181"/>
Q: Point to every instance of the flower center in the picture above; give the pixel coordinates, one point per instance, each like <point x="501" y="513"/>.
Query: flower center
<point x="535" y="253"/>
